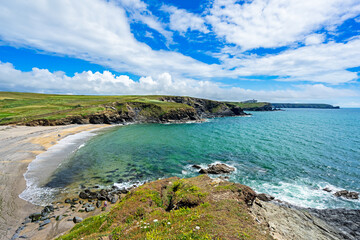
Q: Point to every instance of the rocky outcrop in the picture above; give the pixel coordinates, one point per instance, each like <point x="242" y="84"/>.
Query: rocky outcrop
<point x="189" y="109"/>
<point x="347" y="194"/>
<point x="266" y="107"/>
<point x="218" y="168"/>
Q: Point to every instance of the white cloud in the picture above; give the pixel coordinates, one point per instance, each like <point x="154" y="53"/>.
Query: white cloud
<point x="139" y="12"/>
<point x="314" y="39"/>
<point x="41" y="80"/>
<point x="275" y="23"/>
<point x="183" y="21"/>
<point x="325" y="63"/>
<point x="93" y="30"/>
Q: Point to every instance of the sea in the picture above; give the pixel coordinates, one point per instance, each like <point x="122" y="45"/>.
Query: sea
<point x="292" y="155"/>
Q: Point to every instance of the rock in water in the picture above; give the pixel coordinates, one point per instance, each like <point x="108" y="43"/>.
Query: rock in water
<point x="218" y="168"/>
<point x="347" y="194"/>
<point x="196" y="166"/>
<point x="265" y="197"/>
<point x="77" y="219"/>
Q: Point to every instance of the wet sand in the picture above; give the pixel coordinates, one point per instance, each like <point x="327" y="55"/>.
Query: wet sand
<point x="19" y="145"/>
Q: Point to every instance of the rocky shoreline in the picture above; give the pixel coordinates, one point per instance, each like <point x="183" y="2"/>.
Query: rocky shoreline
<point x="195" y="109"/>
<point x="282" y="220"/>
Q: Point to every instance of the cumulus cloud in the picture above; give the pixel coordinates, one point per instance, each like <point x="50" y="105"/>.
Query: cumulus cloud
<point x="93" y="30"/>
<point x="325" y="63"/>
<point x="88" y="82"/>
<point x="138" y="11"/>
<point x="183" y="21"/>
<point x="275" y="23"/>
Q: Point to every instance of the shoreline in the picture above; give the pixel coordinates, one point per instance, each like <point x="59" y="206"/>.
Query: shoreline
<point x="36" y="140"/>
<point x="19" y="146"/>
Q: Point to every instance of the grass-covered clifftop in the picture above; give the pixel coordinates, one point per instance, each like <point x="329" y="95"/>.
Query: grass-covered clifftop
<point x="194" y="208"/>
<point x="50" y="109"/>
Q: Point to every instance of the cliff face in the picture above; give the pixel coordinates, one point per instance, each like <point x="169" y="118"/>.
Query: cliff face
<point x="164" y="110"/>
<point x="266" y="107"/>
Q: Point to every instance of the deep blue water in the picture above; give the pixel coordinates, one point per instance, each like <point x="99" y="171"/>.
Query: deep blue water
<point x="290" y="154"/>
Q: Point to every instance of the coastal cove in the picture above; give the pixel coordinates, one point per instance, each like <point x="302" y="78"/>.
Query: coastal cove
<point x="269" y="150"/>
<point x="291" y="155"/>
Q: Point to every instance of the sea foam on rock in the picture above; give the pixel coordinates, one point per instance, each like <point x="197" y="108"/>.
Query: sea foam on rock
<point x="218" y="168"/>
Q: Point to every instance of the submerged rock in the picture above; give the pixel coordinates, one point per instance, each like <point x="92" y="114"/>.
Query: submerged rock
<point x="196" y="166"/>
<point x="218" y="168"/>
<point x="347" y="194"/>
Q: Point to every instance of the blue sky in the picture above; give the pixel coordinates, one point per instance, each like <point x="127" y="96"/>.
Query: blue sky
<point x="270" y="50"/>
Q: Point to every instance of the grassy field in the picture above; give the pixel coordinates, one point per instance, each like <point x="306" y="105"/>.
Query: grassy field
<point x="23" y="107"/>
<point x="193" y="208"/>
<point x="249" y="105"/>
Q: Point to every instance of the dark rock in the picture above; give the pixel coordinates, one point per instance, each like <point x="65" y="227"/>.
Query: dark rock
<point x="265" y="197"/>
<point x="67" y="200"/>
<point x="40" y="228"/>
<point x="90" y="209"/>
<point x="47" y="221"/>
<point x="23" y="236"/>
<point x="81" y="201"/>
<point x="218" y="168"/>
<point x="347" y="194"/>
<point x="326" y="189"/>
<point x="77" y="219"/>
<point x="98" y="203"/>
<point x="83" y="195"/>
<point x="59" y="218"/>
<point x="196" y="166"/>
<point x="75" y="199"/>
<point x="114" y="199"/>
<point x="35" y="217"/>
<point x="27" y="220"/>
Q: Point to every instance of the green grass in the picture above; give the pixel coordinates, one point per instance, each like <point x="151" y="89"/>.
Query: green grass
<point x="249" y="105"/>
<point x="219" y="213"/>
<point x="18" y="107"/>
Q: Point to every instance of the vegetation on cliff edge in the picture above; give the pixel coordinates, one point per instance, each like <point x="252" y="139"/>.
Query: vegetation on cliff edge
<point x="194" y="208"/>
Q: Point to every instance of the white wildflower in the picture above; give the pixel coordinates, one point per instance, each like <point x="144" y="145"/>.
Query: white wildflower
<point x="197" y="227"/>
<point x="155" y="220"/>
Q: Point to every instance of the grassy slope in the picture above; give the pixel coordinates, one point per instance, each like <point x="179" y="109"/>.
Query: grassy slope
<point x="249" y="105"/>
<point x="194" y="208"/>
<point x="22" y="107"/>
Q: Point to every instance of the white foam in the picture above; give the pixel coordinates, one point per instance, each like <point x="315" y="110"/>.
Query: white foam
<point x="303" y="193"/>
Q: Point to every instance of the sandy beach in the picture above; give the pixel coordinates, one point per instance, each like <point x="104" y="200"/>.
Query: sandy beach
<point x="19" y="145"/>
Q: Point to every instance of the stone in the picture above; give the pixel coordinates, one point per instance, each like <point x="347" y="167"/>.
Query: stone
<point x="83" y="195"/>
<point x="46" y="222"/>
<point x="68" y="200"/>
<point x="196" y="166"/>
<point x="59" y="218"/>
<point x="218" y="168"/>
<point x="326" y="189"/>
<point x="77" y="219"/>
<point x="114" y="199"/>
<point x="90" y="209"/>
<point x="265" y="197"/>
<point x="347" y="194"/>
<point x="35" y="217"/>
<point x="98" y="203"/>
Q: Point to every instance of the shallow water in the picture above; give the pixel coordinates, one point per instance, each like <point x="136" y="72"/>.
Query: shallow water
<point x="290" y="154"/>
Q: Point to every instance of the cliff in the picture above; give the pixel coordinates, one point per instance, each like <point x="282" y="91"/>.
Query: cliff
<point x="42" y="109"/>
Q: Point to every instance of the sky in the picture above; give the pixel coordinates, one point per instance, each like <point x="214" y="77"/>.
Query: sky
<point x="270" y="50"/>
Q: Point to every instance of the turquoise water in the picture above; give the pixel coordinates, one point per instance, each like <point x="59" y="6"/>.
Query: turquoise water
<point x="290" y="154"/>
